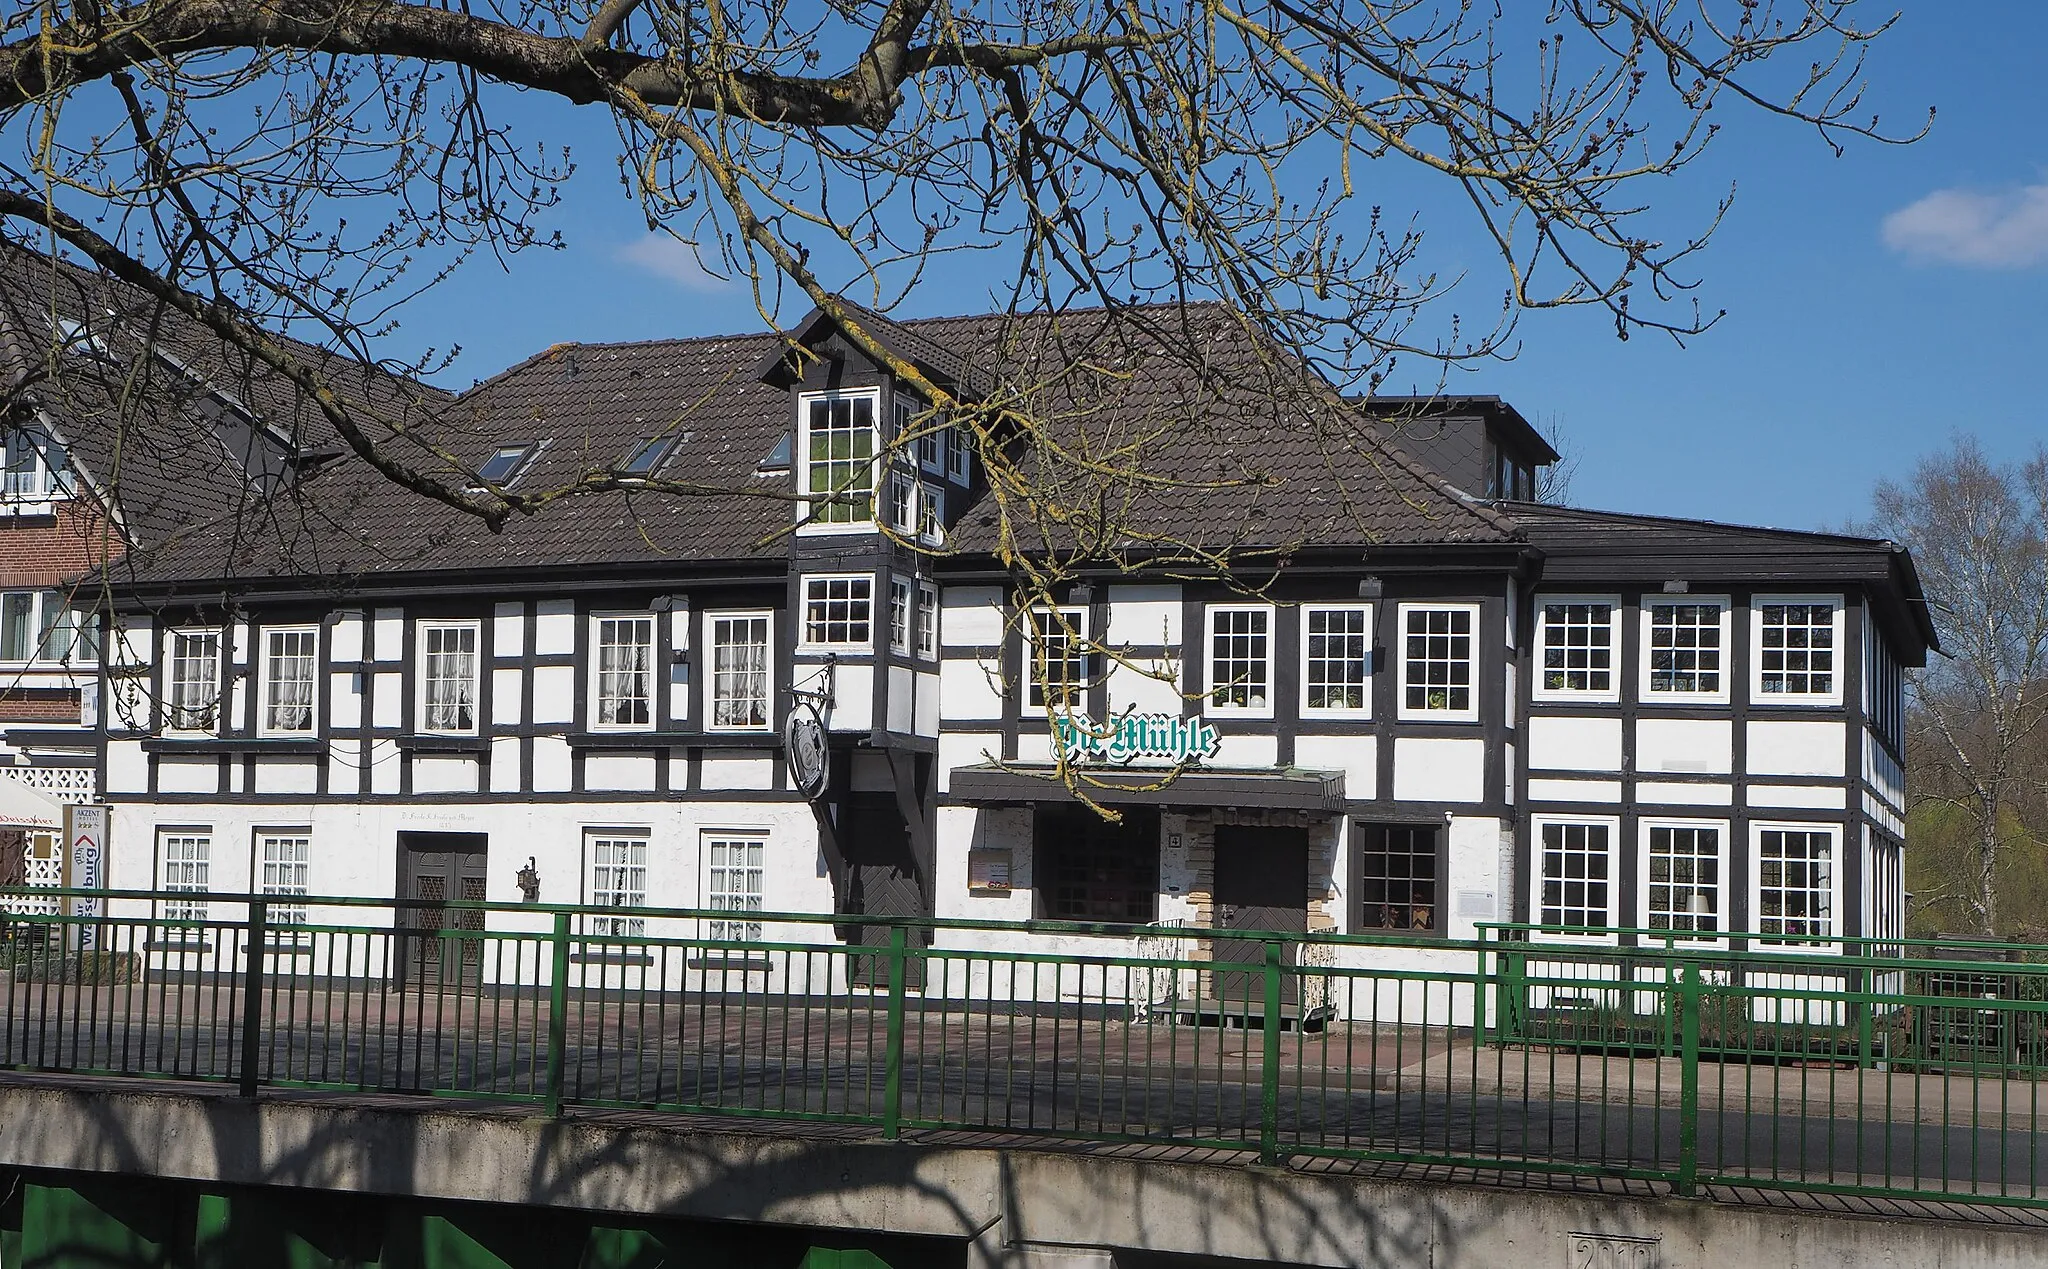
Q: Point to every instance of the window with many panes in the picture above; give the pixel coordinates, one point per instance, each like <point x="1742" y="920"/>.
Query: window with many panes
<point x="931" y="514"/>
<point x="1684" y="649"/>
<point x="623" y="693"/>
<point x="1398" y="877"/>
<point x="192" y="681"/>
<point x="1056" y="657"/>
<point x="1682" y="883"/>
<point x="32" y="465"/>
<point x="740" y="681"/>
<point x="1575" y="878"/>
<point x="291" y="662"/>
<point x="931" y="438"/>
<point x="1796" y="644"/>
<point x="1438" y="648"/>
<point x="1241" y="659"/>
<point x="448" y="676"/>
<point x="284" y="861"/>
<point x="616" y="878"/>
<point x="1795" y="883"/>
<point x="41" y="626"/>
<point x="1336" y="659"/>
<point x="899" y="614"/>
<point x="1089" y="870"/>
<point x="733" y="868"/>
<point x="1576" y="648"/>
<point x="183" y="860"/>
<point x="839" y="611"/>
<point x="903" y="503"/>
<point x="839" y="459"/>
<point x="927" y="621"/>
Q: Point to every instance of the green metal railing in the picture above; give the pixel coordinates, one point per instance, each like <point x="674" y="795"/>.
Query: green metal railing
<point x="1879" y="1069"/>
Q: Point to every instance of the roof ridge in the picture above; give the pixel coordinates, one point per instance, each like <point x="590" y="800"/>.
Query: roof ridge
<point x="1546" y="508"/>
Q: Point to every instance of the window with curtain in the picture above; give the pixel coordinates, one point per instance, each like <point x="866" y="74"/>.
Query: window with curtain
<point x="290" y="662"/>
<point x="625" y="671"/>
<point x="193" y="681"/>
<point x="617" y="879"/>
<point x="739" y="670"/>
<point x="732" y="883"/>
<point x="284" y="863"/>
<point x="448" y="677"/>
<point x="184" y="862"/>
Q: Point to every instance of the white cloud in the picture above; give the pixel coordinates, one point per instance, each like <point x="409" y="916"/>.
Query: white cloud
<point x="670" y="258"/>
<point x="1987" y="231"/>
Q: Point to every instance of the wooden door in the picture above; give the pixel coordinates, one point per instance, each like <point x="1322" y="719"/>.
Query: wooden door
<point x="439" y="947"/>
<point x="882" y="881"/>
<point x="1261" y="884"/>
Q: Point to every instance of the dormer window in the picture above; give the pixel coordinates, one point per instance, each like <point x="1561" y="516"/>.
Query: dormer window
<point x="839" y="448"/>
<point x="646" y="456"/>
<point x="34" y="466"/>
<point x="503" y="466"/>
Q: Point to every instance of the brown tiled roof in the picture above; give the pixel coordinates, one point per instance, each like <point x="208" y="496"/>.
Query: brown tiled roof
<point x="1239" y="448"/>
<point x="140" y="427"/>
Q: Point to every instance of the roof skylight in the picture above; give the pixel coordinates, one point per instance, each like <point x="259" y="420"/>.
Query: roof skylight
<point x="646" y="456"/>
<point x="501" y="467"/>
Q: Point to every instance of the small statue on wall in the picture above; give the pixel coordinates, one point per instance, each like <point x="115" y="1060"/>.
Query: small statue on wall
<point x="529" y="881"/>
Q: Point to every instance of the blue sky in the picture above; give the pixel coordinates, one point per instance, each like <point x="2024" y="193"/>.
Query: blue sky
<point x="1877" y="303"/>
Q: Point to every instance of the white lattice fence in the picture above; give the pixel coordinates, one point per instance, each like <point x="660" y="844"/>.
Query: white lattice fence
<point x="73" y="785"/>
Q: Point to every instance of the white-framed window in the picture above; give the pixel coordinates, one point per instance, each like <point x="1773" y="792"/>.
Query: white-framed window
<point x="1578" y="648"/>
<point x="959" y="455"/>
<point x="32" y="466"/>
<point x="1683" y="883"/>
<point x="42" y="627"/>
<point x="927" y="621"/>
<point x="931" y="514"/>
<point x="622" y="671"/>
<point x="192" y="681"/>
<point x="1685" y="649"/>
<point x="1793" y="888"/>
<point x="448" y="676"/>
<point x="1336" y="659"/>
<point x="184" y="860"/>
<point x="290" y="672"/>
<point x="733" y="867"/>
<point x="1241" y="659"/>
<point x="903" y="502"/>
<point x="1439" y="662"/>
<point x="900" y="591"/>
<point x="839" y="612"/>
<point x="284" y="862"/>
<point x="1577" y="884"/>
<point x="615" y="876"/>
<point x="742" y="680"/>
<point x="1056" y="658"/>
<point x="1796" y="644"/>
<point x="931" y="442"/>
<point x="840" y="458"/>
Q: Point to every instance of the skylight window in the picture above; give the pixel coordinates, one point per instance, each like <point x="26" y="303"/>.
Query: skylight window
<point x="501" y="467"/>
<point x="646" y="456"/>
<point x="779" y="458"/>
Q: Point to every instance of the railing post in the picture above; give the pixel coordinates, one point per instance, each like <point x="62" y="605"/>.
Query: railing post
<point x="558" y="1014"/>
<point x="892" y="1059"/>
<point x="1689" y="990"/>
<point x="252" y="994"/>
<point x="1269" y="1063"/>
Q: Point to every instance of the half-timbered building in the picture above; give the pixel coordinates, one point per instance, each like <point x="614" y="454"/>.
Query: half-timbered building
<point x="1316" y="682"/>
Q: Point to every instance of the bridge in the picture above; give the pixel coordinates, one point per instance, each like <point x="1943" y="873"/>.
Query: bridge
<point x="227" y="1081"/>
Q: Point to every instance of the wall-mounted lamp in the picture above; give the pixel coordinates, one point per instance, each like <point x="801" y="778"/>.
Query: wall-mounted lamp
<point x="661" y="603"/>
<point x="1081" y="593"/>
<point x="1371" y="588"/>
<point x="1677" y="586"/>
<point x="529" y="882"/>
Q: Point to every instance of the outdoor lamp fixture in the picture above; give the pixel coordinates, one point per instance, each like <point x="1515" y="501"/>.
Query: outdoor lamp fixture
<point x="529" y="882"/>
<point x="1371" y="588"/>
<point x="1081" y="593"/>
<point x="1677" y="586"/>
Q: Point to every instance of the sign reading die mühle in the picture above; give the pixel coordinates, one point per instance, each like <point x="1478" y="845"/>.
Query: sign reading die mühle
<point x="1132" y="736"/>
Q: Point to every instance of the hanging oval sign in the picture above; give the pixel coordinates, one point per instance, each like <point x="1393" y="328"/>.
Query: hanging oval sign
<point x="803" y="742"/>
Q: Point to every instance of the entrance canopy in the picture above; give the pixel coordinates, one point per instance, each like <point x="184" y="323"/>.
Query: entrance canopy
<point x="1285" y="788"/>
<point x="23" y="807"/>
